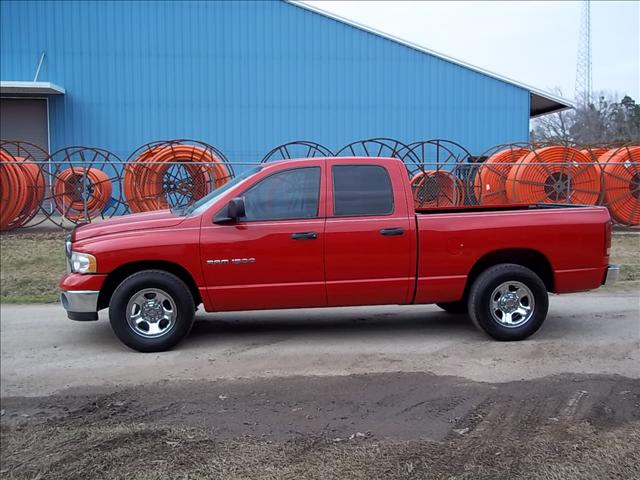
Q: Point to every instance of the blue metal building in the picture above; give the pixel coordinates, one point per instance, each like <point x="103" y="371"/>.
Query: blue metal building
<point x="243" y="76"/>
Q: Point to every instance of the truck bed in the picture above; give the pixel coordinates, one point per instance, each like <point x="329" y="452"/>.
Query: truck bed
<point x="452" y="242"/>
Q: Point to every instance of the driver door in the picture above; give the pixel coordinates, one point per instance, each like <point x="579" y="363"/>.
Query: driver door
<point x="273" y="256"/>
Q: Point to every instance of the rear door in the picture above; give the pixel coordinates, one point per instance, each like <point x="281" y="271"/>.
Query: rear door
<point x="273" y="257"/>
<point x="369" y="237"/>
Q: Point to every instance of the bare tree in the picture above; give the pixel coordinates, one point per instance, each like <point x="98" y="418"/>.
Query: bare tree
<point x="554" y="127"/>
<point x="603" y="121"/>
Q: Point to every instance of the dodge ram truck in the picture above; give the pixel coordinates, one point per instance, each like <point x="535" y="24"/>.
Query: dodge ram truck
<point x="330" y="232"/>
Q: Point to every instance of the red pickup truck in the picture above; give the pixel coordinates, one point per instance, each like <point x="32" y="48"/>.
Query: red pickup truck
<point x="331" y="232"/>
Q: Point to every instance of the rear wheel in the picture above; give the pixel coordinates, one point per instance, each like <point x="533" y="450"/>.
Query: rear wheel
<point x="460" y="307"/>
<point x="508" y="302"/>
<point x="151" y="311"/>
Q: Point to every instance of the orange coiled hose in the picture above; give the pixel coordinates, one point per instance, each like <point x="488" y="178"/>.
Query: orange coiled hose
<point x="436" y="188"/>
<point x="147" y="186"/>
<point x="22" y="189"/>
<point x="35" y="193"/>
<point x="72" y="185"/>
<point x="554" y="174"/>
<point x="489" y="183"/>
<point x="13" y="187"/>
<point x="621" y="181"/>
<point x="595" y="152"/>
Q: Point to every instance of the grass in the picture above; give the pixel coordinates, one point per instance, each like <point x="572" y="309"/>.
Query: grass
<point x="625" y="251"/>
<point x="150" y="452"/>
<point x="32" y="263"/>
<point x="31" y="266"/>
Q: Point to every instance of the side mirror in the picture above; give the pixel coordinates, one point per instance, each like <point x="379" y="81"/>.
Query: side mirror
<point x="235" y="209"/>
<point x="232" y="212"/>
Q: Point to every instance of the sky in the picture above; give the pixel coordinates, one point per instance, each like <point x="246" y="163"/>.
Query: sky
<point x="532" y="42"/>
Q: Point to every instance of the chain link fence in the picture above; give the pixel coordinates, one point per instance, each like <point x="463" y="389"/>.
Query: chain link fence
<point x="85" y="184"/>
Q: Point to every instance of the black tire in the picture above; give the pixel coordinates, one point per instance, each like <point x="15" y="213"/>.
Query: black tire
<point x="480" y="302"/>
<point x="166" y="284"/>
<point x="457" y="308"/>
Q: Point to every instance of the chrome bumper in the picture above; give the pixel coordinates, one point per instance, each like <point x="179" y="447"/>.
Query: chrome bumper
<point x="80" y="304"/>
<point x="613" y="273"/>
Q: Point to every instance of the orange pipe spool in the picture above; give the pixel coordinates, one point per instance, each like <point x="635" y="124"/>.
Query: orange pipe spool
<point x="35" y="185"/>
<point x="435" y="188"/>
<point x="621" y="182"/>
<point x="72" y="183"/>
<point x="595" y="152"/>
<point x="144" y="183"/>
<point x="22" y="189"/>
<point x="489" y="184"/>
<point x="13" y="191"/>
<point x="554" y="174"/>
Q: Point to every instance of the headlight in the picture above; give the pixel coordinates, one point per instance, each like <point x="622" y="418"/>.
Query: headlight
<point x="83" y="263"/>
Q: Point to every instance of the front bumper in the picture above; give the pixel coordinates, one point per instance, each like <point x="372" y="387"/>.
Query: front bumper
<point x="80" y="304"/>
<point x="613" y="273"/>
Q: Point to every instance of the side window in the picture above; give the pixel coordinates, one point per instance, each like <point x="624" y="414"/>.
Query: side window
<point x="361" y="190"/>
<point x="290" y="194"/>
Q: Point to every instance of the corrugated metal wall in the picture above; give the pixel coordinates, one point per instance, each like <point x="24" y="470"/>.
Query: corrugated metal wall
<point x="243" y="76"/>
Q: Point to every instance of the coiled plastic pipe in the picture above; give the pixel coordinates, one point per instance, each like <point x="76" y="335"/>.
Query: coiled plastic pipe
<point x="554" y="174"/>
<point x="621" y="181"/>
<point x="75" y="187"/>
<point x="22" y="189"/>
<point x="489" y="183"/>
<point x="146" y="186"/>
<point x="595" y="152"/>
<point x="436" y="188"/>
<point x="35" y="193"/>
<point x="13" y="190"/>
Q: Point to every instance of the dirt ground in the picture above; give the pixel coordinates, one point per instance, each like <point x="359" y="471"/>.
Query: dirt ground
<point x="363" y="393"/>
<point x="383" y="426"/>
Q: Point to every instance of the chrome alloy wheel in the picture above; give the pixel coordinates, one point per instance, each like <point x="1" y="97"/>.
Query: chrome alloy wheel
<point x="151" y="313"/>
<point x="512" y="304"/>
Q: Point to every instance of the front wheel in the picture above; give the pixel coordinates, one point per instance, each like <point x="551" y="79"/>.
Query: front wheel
<point x="151" y="311"/>
<point x="508" y="302"/>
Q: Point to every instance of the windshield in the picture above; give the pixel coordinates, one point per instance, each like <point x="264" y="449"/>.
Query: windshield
<point x="202" y="204"/>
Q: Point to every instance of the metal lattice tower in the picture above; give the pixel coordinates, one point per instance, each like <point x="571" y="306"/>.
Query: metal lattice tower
<point x="583" y="91"/>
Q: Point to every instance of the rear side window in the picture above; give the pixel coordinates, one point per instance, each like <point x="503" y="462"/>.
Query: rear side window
<point x="361" y="190"/>
<point x="289" y="194"/>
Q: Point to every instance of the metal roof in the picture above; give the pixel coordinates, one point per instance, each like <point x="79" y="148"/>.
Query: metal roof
<point x="30" y="88"/>
<point x="541" y="102"/>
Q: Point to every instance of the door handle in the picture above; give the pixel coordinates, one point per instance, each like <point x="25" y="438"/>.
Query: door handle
<point x="392" y="231"/>
<point x="304" y="236"/>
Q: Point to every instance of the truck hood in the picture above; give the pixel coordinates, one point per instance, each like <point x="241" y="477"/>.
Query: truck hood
<point x="128" y="223"/>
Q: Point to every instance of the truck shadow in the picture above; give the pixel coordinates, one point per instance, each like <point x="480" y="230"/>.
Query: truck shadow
<point x="370" y="320"/>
